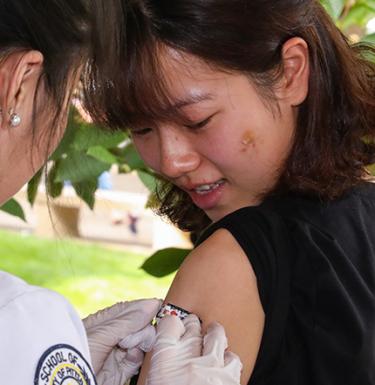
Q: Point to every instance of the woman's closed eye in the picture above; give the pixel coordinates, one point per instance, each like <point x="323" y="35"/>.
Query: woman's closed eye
<point x="200" y="124"/>
<point x="140" y="131"/>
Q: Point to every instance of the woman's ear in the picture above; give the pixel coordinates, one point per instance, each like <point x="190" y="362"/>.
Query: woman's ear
<point x="294" y="84"/>
<point x="19" y="76"/>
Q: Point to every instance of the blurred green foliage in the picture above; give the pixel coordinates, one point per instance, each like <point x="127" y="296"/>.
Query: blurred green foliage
<point x="90" y="276"/>
<point x="352" y="17"/>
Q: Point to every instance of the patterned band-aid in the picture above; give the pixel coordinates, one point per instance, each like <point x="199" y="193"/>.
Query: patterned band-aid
<point x="169" y="309"/>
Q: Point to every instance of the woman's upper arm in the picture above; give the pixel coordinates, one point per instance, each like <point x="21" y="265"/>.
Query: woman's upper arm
<point x="217" y="282"/>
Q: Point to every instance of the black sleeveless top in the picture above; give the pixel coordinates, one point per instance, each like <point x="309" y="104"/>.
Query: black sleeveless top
<point x="315" y="267"/>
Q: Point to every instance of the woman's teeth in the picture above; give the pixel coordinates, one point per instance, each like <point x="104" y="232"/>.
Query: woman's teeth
<point x="207" y="188"/>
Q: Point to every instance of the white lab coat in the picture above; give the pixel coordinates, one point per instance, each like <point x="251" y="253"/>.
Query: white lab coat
<point x="42" y="339"/>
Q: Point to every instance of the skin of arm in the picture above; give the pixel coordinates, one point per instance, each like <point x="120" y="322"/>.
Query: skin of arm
<point x="217" y="282"/>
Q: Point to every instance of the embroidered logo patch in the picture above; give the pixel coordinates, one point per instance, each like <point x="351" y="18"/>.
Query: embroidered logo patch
<point x="63" y="365"/>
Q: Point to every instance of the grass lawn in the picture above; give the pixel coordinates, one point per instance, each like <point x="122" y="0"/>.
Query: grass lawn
<point x="90" y="276"/>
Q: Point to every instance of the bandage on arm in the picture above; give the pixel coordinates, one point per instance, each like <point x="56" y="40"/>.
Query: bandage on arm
<point x="217" y="283"/>
<point x="171" y="309"/>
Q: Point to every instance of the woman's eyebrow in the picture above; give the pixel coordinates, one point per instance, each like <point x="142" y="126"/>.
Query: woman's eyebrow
<point x="192" y="99"/>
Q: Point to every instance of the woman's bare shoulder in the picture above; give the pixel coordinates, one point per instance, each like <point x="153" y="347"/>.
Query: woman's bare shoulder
<point x="217" y="282"/>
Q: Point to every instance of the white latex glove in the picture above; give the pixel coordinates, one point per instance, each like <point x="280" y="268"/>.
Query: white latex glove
<point x="107" y="328"/>
<point x="123" y="364"/>
<point x="181" y="356"/>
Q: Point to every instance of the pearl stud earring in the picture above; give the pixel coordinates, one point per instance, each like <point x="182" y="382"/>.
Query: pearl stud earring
<point x="14" y="120"/>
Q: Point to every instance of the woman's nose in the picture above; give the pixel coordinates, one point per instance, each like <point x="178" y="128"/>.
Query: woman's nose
<point x="177" y="156"/>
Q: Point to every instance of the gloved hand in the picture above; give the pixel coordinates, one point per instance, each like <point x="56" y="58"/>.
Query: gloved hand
<point x="107" y="328"/>
<point x="181" y="356"/>
<point x="122" y="364"/>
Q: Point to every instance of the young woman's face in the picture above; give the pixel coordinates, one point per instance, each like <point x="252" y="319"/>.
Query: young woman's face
<point x="234" y="147"/>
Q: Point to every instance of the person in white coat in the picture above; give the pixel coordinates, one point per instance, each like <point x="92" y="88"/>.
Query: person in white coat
<point x="43" y="47"/>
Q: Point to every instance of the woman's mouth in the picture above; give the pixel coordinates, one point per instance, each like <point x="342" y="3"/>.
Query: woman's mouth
<point x="207" y="188"/>
<point x="207" y="196"/>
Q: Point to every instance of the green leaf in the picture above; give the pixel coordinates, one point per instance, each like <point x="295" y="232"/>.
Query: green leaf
<point x="32" y="187"/>
<point x="369" y="3"/>
<point x="66" y="144"/>
<point x="102" y="154"/>
<point x="54" y="188"/>
<point x="79" y="167"/>
<point x="131" y="158"/>
<point x="81" y="135"/>
<point x="165" y="261"/>
<point x="369" y="38"/>
<point x="358" y="15"/>
<point x="86" y="191"/>
<point x="334" y="7"/>
<point x="90" y="135"/>
<point x="147" y="179"/>
<point x="14" y="208"/>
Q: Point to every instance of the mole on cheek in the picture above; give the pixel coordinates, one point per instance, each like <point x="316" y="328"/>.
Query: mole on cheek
<point x="247" y="138"/>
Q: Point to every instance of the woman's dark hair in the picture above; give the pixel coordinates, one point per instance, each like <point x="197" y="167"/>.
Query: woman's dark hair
<point x="60" y="30"/>
<point x="334" y="138"/>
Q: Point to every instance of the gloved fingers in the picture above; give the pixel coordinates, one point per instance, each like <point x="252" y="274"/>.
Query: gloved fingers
<point x="170" y="351"/>
<point x="144" y="312"/>
<point x="110" y="373"/>
<point x="98" y="353"/>
<point x="106" y="328"/>
<point x="169" y="328"/>
<point x="203" y="372"/>
<point x="137" y="314"/>
<point x="103" y="315"/>
<point x="214" y="344"/>
<point x="233" y="364"/>
<point x="120" y="366"/>
<point x="134" y="356"/>
<point x="212" y="376"/>
<point x="128" y="361"/>
<point x="132" y="362"/>
<point x="144" y="339"/>
<point x="192" y="327"/>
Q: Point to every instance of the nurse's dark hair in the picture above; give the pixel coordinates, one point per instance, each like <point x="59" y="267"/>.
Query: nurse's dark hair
<point x="334" y="139"/>
<point x="60" y="30"/>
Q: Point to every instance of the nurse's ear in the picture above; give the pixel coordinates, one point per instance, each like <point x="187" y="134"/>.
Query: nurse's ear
<point x="19" y="78"/>
<point x="294" y="84"/>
